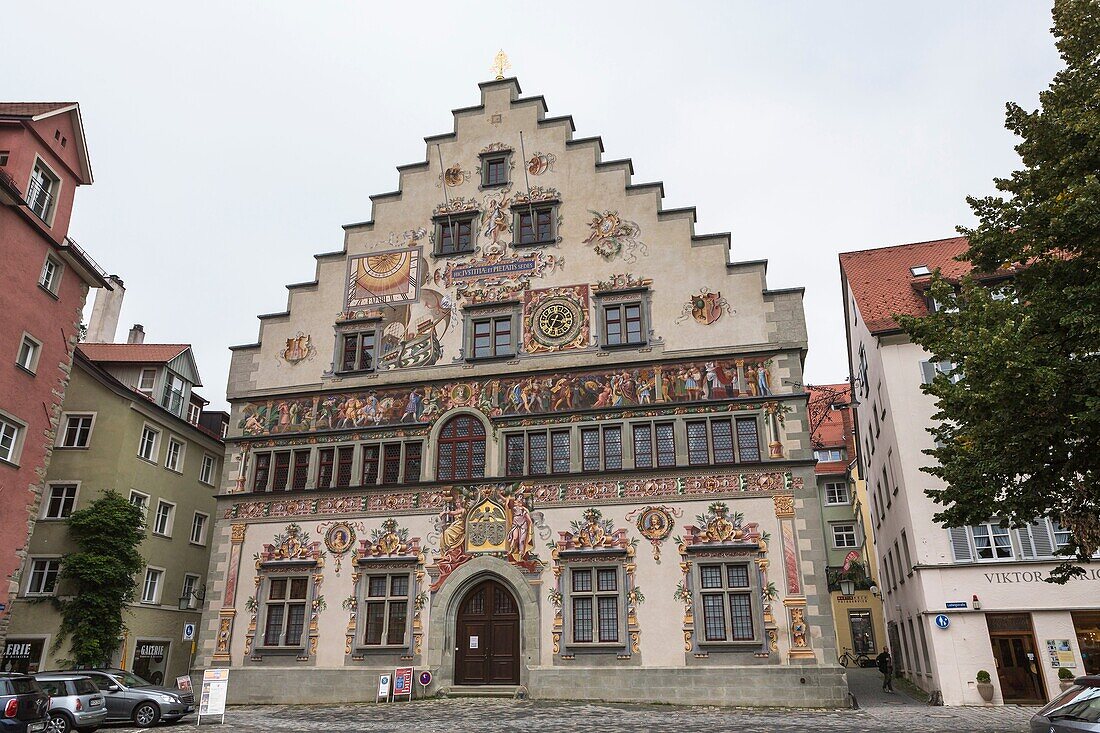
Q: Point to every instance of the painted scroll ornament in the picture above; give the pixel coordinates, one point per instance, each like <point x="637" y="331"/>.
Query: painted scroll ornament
<point x="613" y="237"/>
<point x="705" y="307"/>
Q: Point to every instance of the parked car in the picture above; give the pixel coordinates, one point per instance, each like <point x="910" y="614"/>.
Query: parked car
<point x="22" y="705"/>
<point x="1077" y="710"/>
<point x="75" y="702"/>
<point x="129" y="697"/>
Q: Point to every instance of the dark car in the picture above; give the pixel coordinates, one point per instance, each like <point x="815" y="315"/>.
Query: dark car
<point x="23" y="705"/>
<point x="1077" y="710"/>
<point x="130" y="697"/>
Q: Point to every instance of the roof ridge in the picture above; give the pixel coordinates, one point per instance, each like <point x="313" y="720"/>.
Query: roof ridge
<point x="899" y="246"/>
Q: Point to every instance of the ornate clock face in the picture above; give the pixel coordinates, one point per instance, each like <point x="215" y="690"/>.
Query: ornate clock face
<point x="557" y="321"/>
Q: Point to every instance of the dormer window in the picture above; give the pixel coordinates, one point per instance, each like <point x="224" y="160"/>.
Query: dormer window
<point x="42" y="192"/>
<point x="145" y="382"/>
<point x="920" y="271"/>
<point x="174" y="388"/>
<point x="455" y="233"/>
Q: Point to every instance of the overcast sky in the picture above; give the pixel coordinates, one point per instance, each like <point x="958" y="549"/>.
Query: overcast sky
<point x="231" y="140"/>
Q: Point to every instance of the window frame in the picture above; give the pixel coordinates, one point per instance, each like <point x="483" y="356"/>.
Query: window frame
<point x="601" y="324"/>
<point x="169" y="522"/>
<point x="525" y="437"/>
<point x="847" y="498"/>
<point x="443" y="222"/>
<point x="17" y="429"/>
<point x="266" y="602"/>
<point x="158" y="589"/>
<point x="53" y="193"/>
<point x="141" y="378"/>
<point x="63" y="432"/>
<point x="34" y="560"/>
<point x="170" y="394"/>
<point x="31" y="367"/>
<point x="192" y="601"/>
<point x="594" y="566"/>
<point x="155" y="457"/>
<point x="504" y="157"/>
<point x="342" y="338"/>
<point x="208" y="468"/>
<point x="550" y="208"/>
<point x="48" y="498"/>
<point x="992" y="535"/>
<point x="201" y="542"/>
<point x="177" y="467"/>
<point x="854" y="533"/>
<point x="387" y="600"/>
<point x="143" y="504"/>
<point x="654" y="452"/>
<point x="753" y="591"/>
<point x="440" y="441"/>
<point x="493" y="312"/>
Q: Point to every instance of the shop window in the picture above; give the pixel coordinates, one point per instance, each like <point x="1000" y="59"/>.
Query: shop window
<point x="151" y="659"/>
<point x="1086" y="625"/>
<point x="22" y="655"/>
<point x="461" y="450"/>
<point x="386" y="615"/>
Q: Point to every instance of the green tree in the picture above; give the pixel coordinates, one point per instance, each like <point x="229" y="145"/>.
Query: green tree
<point x="1019" y="419"/>
<point x="100" y="577"/>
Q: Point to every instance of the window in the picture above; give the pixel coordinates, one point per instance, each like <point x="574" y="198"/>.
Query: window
<point x="301" y="469"/>
<point x="391" y="463"/>
<point x="534" y="224"/>
<point x="190" y="589"/>
<point x="710" y="441"/>
<point x="29" y="349"/>
<point x="461" y="449"/>
<point x="919" y="271"/>
<point x="829" y="454"/>
<point x="622" y="324"/>
<point x="198" y="529"/>
<point x="844" y="535"/>
<point x="537" y="453"/>
<point x="78" y="430"/>
<point x="141" y="501"/>
<point x="901" y="568"/>
<point x="494" y="170"/>
<point x="261" y="472"/>
<point x="60" y="503"/>
<point x="594" y="602"/>
<point x="726" y="588"/>
<point x="344" y="457"/>
<point x="929" y="370"/>
<point x="43" y="577"/>
<point x="194" y="412"/>
<point x="908" y="557"/>
<point x="150" y="589"/>
<point x="654" y="440"/>
<point x="173" y="394"/>
<point x="206" y="471"/>
<point x="886" y="485"/>
<point x="42" y="191"/>
<point x="162" y="522"/>
<point x="837" y="493"/>
<point x="173" y="459"/>
<point x="326" y="458"/>
<point x="383" y="463"/>
<point x="1062" y="535"/>
<point x="413" y="460"/>
<point x="9" y="440"/>
<point x="748" y="439"/>
<point x="455" y="234"/>
<point x="492" y="337"/>
<point x="147" y="448"/>
<point x="991" y="542"/>
<point x="386" y="617"/>
<point x="357" y="352"/>
<point x="286" y="611"/>
<point x="282" y="471"/>
<point x="145" y="382"/>
<point x="864" y="387"/>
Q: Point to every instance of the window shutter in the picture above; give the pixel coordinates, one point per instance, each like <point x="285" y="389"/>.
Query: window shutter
<point x="927" y="371"/>
<point x="1044" y="542"/>
<point x="1026" y="547"/>
<point x="960" y="544"/>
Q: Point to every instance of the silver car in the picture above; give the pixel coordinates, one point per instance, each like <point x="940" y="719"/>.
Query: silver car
<point x="1077" y="710"/>
<point x="75" y="702"/>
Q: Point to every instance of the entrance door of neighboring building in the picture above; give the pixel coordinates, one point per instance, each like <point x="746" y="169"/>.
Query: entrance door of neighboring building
<point x="863" y="631"/>
<point x="1017" y="658"/>
<point x="488" y="637"/>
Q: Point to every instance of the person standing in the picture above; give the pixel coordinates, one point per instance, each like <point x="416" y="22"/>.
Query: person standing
<point x="886" y="666"/>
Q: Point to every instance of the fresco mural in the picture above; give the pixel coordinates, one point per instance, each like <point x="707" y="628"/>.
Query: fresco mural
<point x="676" y="382"/>
<point x="706" y="307"/>
<point x="622" y="281"/>
<point x="289" y="552"/>
<point x="555" y="319"/>
<point x="540" y="163"/>
<point x="655" y="524"/>
<point x="385" y="278"/>
<point x="613" y="237"/>
<point x="495" y="277"/>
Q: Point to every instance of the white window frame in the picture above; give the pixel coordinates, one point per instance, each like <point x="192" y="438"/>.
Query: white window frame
<point x="176" y="467"/>
<point x="834" y="526"/>
<point x="847" y="500"/>
<point x="201" y="541"/>
<point x="63" y="431"/>
<point x="30" y="365"/>
<point x="826" y="454"/>
<point x="158" y="589"/>
<point x="169" y="522"/>
<point x="993" y="531"/>
<point x="152" y="387"/>
<point x="54" y="192"/>
<point x="169" y="393"/>
<point x="14" y="431"/>
<point x="31" y="562"/>
<point x="143" y="504"/>
<point x="194" y="412"/>
<point x="156" y="443"/>
<point x="207" y="469"/>
<point x="47" y="499"/>
<point x="192" y="601"/>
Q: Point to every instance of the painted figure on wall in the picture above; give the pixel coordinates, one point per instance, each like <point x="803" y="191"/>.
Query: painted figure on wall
<point x="613" y="237"/>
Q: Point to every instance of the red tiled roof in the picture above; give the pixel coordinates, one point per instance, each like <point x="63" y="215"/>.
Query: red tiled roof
<point x="31" y="109"/>
<point x="133" y="353"/>
<point x="830" y="428"/>
<point x="883" y="286"/>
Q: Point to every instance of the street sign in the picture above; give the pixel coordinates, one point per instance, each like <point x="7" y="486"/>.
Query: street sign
<point x="956" y="604"/>
<point x="943" y="621"/>
<point x="189" y="632"/>
<point x="403" y="682"/>
<point x="425" y="678"/>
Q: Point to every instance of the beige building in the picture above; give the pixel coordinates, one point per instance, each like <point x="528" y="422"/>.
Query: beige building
<point x="130" y="423"/>
<point x="524" y="428"/>
<point x="963" y="599"/>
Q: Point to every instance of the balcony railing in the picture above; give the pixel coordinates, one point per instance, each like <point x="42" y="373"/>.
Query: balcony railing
<point x="8" y="182"/>
<point x="39" y="199"/>
<point x="81" y="254"/>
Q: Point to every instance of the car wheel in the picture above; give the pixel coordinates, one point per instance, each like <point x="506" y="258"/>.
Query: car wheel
<point x="59" y="723"/>
<point x="146" y="714"/>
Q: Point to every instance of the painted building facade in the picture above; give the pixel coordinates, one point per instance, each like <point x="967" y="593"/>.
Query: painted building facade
<point x="44" y="279"/>
<point x="130" y="423"/>
<point x="845" y="516"/>
<point x="985" y="581"/>
<point x="525" y="428"/>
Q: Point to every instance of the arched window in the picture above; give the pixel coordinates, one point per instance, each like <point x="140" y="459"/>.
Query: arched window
<point x="461" y="453"/>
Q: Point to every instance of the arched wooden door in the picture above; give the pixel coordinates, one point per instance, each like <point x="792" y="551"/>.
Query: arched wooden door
<point x="487" y="631"/>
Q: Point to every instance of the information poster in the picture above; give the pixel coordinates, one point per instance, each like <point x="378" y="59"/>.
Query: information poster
<point x="184" y="683"/>
<point x="403" y="682"/>
<point x="215" y="685"/>
<point x="1060" y="653"/>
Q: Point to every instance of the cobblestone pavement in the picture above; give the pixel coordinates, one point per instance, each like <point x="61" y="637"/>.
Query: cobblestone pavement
<point x="502" y="716"/>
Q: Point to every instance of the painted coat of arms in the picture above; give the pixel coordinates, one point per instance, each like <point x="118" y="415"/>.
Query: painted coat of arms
<point x="299" y="348"/>
<point x="705" y="307"/>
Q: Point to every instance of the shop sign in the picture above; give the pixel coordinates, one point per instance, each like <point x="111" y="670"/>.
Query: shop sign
<point x="1060" y="653"/>
<point x="383" y="687"/>
<point x="22" y="655"/>
<point x="1033" y="576"/>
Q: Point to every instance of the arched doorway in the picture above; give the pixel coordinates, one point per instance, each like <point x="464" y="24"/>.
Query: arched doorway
<point x="487" y="636"/>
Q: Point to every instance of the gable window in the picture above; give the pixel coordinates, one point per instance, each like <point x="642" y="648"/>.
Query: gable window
<point x="829" y="454"/>
<point x="285" y="611"/>
<point x="727" y="603"/>
<point x="78" y="431"/>
<point x="173" y="394"/>
<point x="198" y="529"/>
<point x="10" y="443"/>
<point x="836" y="493"/>
<point x="455" y="233"/>
<point x="357" y="351"/>
<point x="43" y="577"/>
<point x="50" y="278"/>
<point x="193" y="413"/>
<point x="622" y="324"/>
<point x="150" y="589"/>
<point x="61" y="501"/>
<point x="173" y="460"/>
<point x="29" y="349"/>
<point x="991" y="542"/>
<point x="654" y="441"/>
<point x="147" y="447"/>
<point x="492" y="337"/>
<point x="595" y="605"/>
<point x="146" y="380"/>
<point x="494" y="170"/>
<point x="42" y="191"/>
<point x="162" y="522"/>
<point x="844" y="535"/>
<point x="461" y="449"/>
<point x="386" y="617"/>
<point x="534" y="224"/>
<point x="206" y="471"/>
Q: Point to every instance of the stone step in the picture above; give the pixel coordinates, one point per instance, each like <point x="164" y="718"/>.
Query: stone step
<point x="501" y="691"/>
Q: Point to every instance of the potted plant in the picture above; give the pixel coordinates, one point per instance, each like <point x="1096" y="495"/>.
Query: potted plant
<point x="1065" y="678"/>
<point x="985" y="687"/>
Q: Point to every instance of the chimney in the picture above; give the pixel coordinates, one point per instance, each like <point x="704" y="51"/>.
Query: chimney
<point x="137" y="335"/>
<point x="104" y="320"/>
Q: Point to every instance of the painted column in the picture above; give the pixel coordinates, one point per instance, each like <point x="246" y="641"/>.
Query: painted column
<point x="795" y="601"/>
<point x="227" y="611"/>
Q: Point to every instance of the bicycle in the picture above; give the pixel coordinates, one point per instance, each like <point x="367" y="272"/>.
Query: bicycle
<point x="849" y="656"/>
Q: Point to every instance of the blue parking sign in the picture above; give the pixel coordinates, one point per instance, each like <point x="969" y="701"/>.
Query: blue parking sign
<point x="943" y="621"/>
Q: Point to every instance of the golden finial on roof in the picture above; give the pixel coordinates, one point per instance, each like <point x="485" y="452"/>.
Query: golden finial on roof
<point x="500" y="64"/>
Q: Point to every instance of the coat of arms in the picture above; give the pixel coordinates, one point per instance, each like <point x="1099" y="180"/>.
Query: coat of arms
<point x="487" y="528"/>
<point x="299" y="348"/>
<point x="706" y="307"/>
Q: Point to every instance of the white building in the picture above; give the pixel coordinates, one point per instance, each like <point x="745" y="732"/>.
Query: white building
<point x="985" y="581"/>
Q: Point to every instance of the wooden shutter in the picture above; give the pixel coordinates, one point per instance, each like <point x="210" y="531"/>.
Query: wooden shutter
<point x="1041" y="536"/>
<point x="1027" y="549"/>
<point x="960" y="543"/>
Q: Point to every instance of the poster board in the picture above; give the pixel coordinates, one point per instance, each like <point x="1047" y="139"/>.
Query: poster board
<point x="184" y="684"/>
<point x="215" y="685"/>
<point x="1060" y="654"/>
<point x="403" y="682"/>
